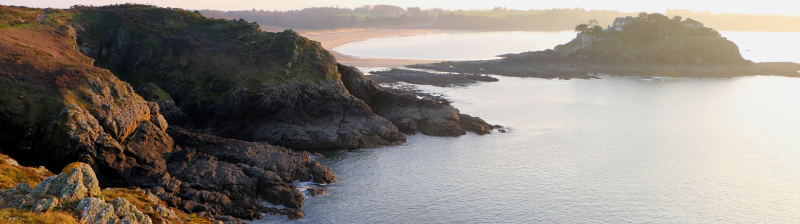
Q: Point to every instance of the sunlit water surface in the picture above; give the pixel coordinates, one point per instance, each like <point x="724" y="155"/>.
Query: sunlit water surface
<point x="609" y="150"/>
<point x="463" y="45"/>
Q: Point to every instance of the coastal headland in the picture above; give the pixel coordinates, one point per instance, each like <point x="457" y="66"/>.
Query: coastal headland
<point x="211" y="117"/>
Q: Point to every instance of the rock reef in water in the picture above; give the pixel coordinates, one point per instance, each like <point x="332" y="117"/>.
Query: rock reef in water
<point x="428" y="78"/>
<point x="410" y="112"/>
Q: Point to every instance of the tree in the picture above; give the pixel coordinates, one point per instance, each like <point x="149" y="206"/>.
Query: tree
<point x="581" y="27"/>
<point x="593" y="22"/>
<point x="677" y="18"/>
<point x="597" y="30"/>
<point x="660" y="21"/>
<point x="642" y="15"/>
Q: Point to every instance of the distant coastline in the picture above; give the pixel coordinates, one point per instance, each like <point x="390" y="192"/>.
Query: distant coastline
<point x="336" y="38"/>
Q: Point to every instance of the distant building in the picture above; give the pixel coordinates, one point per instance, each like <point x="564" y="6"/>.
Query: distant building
<point x="618" y="23"/>
<point x="690" y="23"/>
<point x="413" y="11"/>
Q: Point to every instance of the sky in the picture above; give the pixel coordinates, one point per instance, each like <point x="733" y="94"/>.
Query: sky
<point x="783" y="7"/>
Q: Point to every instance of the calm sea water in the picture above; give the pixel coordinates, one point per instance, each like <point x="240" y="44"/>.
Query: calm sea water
<point x="463" y="45"/>
<point x="609" y="150"/>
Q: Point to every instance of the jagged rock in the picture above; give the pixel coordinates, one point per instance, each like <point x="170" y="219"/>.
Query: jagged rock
<point x="15" y="197"/>
<point x="476" y="124"/>
<point x="227" y="219"/>
<point x="411" y="115"/>
<point x="408" y="112"/>
<point x="167" y="213"/>
<point x="315" y="191"/>
<point x="127" y="211"/>
<point x="303" y="104"/>
<point x="94" y="210"/>
<point x="167" y="107"/>
<point x="156" y="117"/>
<point x="21" y="188"/>
<point x="44" y="205"/>
<point x="286" y="195"/>
<point x="357" y="84"/>
<point x="76" y="181"/>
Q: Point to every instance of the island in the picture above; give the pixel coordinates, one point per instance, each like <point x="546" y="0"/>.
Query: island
<point x="648" y="45"/>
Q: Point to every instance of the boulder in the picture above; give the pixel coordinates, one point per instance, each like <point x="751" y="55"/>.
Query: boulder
<point x="127" y="211"/>
<point x="76" y="181"/>
<point x="94" y="210"/>
<point x="315" y="191"/>
<point x="45" y="205"/>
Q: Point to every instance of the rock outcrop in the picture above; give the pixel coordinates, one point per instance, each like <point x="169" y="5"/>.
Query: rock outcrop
<point x="58" y="108"/>
<point x="279" y="88"/>
<point x="77" y="180"/>
<point x="239" y="171"/>
<point x="410" y="112"/>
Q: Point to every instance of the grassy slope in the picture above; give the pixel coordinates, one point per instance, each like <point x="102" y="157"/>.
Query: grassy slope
<point x="199" y="58"/>
<point x="40" y="73"/>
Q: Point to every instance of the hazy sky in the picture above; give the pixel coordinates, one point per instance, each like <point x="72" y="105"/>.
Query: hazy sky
<point x="718" y="6"/>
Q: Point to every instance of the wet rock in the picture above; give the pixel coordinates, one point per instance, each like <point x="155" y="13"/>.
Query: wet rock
<point x="476" y="124"/>
<point x="411" y="114"/>
<point x="396" y="75"/>
<point x="286" y="195"/>
<point x="315" y="191"/>
<point x="44" y="205"/>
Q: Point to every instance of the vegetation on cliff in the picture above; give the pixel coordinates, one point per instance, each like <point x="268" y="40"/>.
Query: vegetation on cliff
<point x="652" y="38"/>
<point x="57" y="108"/>
<point x="231" y="76"/>
<point x="646" y="45"/>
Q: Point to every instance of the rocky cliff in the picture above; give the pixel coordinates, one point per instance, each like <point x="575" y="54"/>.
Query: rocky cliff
<point x="410" y="112"/>
<point x="57" y="108"/>
<point x="246" y="84"/>
<point x="231" y="92"/>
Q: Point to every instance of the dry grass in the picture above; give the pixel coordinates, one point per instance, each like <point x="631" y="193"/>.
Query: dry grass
<point x="10" y="176"/>
<point x="19" y="216"/>
<point x="138" y="199"/>
<point x="193" y="218"/>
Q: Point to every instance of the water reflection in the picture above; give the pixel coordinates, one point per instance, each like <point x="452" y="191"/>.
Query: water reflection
<point x="617" y="149"/>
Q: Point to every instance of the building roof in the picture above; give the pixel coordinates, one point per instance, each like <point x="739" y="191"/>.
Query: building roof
<point x="620" y="19"/>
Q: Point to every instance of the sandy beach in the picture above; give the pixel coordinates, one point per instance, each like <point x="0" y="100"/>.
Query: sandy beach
<point x="333" y="39"/>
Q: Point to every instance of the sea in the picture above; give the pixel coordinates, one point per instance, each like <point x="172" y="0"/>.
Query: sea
<point x="608" y="150"/>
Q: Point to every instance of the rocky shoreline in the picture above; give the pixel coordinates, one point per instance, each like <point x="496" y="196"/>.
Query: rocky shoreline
<point x="423" y="77"/>
<point x="549" y="65"/>
<point x="218" y="119"/>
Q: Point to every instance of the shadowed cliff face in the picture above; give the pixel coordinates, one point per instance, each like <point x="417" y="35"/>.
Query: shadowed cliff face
<point x="57" y="108"/>
<point x="246" y="84"/>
